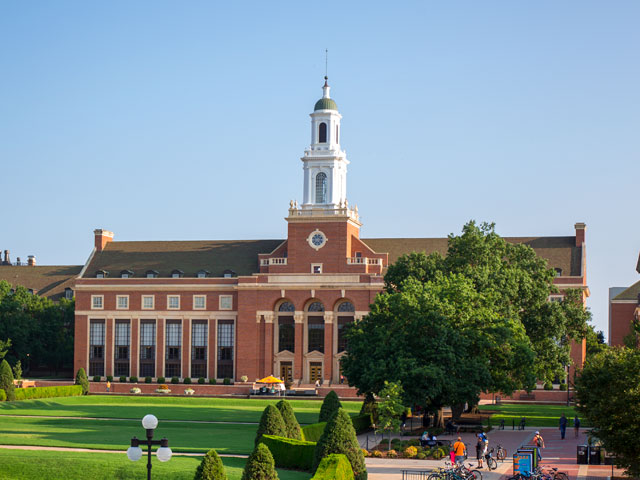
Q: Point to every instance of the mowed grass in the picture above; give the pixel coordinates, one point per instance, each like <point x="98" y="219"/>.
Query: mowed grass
<point x="537" y="415"/>
<point x="116" y="434"/>
<point x="28" y="464"/>
<point x="165" y="408"/>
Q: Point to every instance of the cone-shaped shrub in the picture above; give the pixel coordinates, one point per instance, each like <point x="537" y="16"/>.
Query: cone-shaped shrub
<point x="271" y="423"/>
<point x="210" y="468"/>
<point x="330" y="405"/>
<point x="6" y="381"/>
<point x="340" y="437"/>
<point x="291" y="424"/>
<point x="260" y="465"/>
<point x="82" y="380"/>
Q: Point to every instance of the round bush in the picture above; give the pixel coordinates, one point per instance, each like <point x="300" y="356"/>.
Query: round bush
<point x="187" y="381"/>
<point x="175" y="380"/>
<point x="160" y="380"/>
<point x="421" y="456"/>
<point x="260" y="465"/>
<point x="123" y="379"/>
<point x="201" y="380"/>
<point x="392" y="454"/>
<point x="410" y="452"/>
<point x="148" y="379"/>
<point x="226" y="381"/>
<point x="211" y="467"/>
<point x="109" y="378"/>
<point x="133" y="379"/>
<point x="97" y="378"/>
<point x="212" y="381"/>
<point x="563" y="387"/>
<point x="548" y="386"/>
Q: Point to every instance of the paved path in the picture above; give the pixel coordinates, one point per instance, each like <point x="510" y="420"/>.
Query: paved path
<point x="93" y="450"/>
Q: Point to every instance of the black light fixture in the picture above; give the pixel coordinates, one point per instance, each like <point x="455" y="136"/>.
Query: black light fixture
<point x="134" y="452"/>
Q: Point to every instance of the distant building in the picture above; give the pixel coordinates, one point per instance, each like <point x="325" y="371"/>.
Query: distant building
<point x="624" y="308"/>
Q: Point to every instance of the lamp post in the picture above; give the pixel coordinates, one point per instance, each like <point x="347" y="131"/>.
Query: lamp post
<point x="134" y="452"/>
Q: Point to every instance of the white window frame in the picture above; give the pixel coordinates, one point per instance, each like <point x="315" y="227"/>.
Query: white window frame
<point x="122" y="297"/>
<point x="313" y="268"/>
<point x="169" y="298"/>
<point x="153" y="302"/>
<point x="223" y="299"/>
<point x="556" y="298"/>
<point x="204" y="302"/>
<point x="93" y="302"/>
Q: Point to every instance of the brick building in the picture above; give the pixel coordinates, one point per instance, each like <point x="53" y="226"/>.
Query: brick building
<point x="624" y="308"/>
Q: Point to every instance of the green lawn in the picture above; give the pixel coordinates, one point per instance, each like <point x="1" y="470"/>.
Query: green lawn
<point x="165" y="408"/>
<point x="29" y="464"/>
<point x="537" y="415"/>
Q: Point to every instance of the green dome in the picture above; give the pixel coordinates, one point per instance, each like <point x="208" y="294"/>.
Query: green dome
<point x="325" y="104"/>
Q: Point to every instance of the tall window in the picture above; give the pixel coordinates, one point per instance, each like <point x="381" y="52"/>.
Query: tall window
<point x="346" y="312"/>
<point x="315" y="327"/>
<point x="172" y="350"/>
<point x="286" y="333"/>
<point x="321" y="188"/>
<point x="225" y="348"/>
<point x="199" y="348"/>
<point x="96" y="348"/>
<point x="148" y="348"/>
<point x="122" y="342"/>
<point x="322" y="133"/>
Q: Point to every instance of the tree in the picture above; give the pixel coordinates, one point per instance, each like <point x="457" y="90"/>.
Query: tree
<point x="291" y="424"/>
<point x="390" y="408"/>
<point x="4" y="347"/>
<point x="370" y="407"/>
<point x="260" y="465"/>
<point x="595" y="341"/>
<point x="82" y="380"/>
<point x="609" y="398"/>
<point x="271" y="423"/>
<point x="340" y="437"/>
<point x="211" y="467"/>
<point x="17" y="370"/>
<point x="6" y="381"/>
<point x="330" y="406"/>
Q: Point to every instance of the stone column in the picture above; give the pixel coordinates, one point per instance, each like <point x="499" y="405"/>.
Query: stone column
<point x="134" y="347"/>
<point x="212" y="348"/>
<point x="298" y="354"/>
<point x="160" y="347"/>
<point x="327" y="369"/>
<point x="186" y="348"/>
<point x="267" y="361"/>
<point x="108" y="347"/>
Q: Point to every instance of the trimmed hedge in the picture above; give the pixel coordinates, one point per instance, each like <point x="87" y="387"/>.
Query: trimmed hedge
<point x="361" y="423"/>
<point x="48" y="392"/>
<point x="3" y="396"/>
<point x="289" y="452"/>
<point x="313" y="432"/>
<point x="335" y="466"/>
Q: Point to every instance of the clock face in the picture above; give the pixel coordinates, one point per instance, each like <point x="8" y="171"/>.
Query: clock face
<point x="317" y="239"/>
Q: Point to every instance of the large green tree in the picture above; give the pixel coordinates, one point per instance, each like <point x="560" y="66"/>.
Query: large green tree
<point x="608" y="391"/>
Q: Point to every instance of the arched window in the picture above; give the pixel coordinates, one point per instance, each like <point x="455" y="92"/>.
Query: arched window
<point x="322" y="133"/>
<point x="286" y="307"/>
<point x="346" y="307"/>
<point x="316" y="307"/>
<point x="321" y="188"/>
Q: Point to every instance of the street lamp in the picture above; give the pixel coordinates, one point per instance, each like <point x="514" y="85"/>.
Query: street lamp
<point x="134" y="452"/>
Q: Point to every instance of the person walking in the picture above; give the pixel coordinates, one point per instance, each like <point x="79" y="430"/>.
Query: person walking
<point x="460" y="451"/>
<point x="576" y="425"/>
<point x="108" y="386"/>
<point x="538" y="441"/>
<point x="563" y="426"/>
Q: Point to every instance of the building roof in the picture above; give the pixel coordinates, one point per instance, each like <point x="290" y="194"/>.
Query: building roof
<point x="560" y="252"/>
<point x="190" y="257"/>
<point x="630" y="293"/>
<point x="326" y="104"/>
<point x="45" y="280"/>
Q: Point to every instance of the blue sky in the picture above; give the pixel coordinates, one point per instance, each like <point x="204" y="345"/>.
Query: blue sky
<point x="186" y="120"/>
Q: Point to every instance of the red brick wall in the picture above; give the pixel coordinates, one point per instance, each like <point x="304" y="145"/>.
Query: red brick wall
<point x="621" y="318"/>
<point x="80" y="347"/>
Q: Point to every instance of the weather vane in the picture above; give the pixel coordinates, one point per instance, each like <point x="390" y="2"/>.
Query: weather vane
<point x="326" y="63"/>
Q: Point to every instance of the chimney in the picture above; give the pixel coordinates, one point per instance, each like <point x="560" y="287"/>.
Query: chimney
<point x="6" y="258"/>
<point x="31" y="260"/>
<point x="581" y="229"/>
<point x="18" y="262"/>
<point x="102" y="238"/>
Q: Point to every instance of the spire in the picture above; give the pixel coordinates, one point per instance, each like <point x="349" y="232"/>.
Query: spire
<point x="326" y="88"/>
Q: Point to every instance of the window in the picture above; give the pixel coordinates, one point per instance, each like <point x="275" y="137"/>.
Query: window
<point x="122" y="339"/>
<point x="68" y="293"/>
<point x="199" y="330"/>
<point x="102" y="274"/>
<point x="152" y="274"/>
<point x="225" y="348"/>
<point x="228" y="273"/>
<point x="343" y="321"/>
<point x="322" y="133"/>
<point x="286" y="307"/>
<point x="199" y="302"/>
<point x="96" y="347"/>
<point x="122" y="302"/>
<point x="315" y="331"/>
<point x="173" y="302"/>
<point x="173" y="345"/>
<point x="316" y="307"/>
<point x="147" y="302"/>
<point x="126" y="274"/>
<point x="558" y="272"/>
<point x="147" y="348"/>
<point x="177" y="274"/>
<point x="556" y="298"/>
<point x="321" y="188"/>
<point x="316" y="268"/>
<point x="97" y="302"/>
<point x="226" y="302"/>
<point x="286" y="333"/>
<point x="202" y="274"/>
<point x="346" y="307"/>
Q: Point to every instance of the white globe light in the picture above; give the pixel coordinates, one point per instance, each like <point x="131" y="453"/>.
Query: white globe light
<point x="164" y="454"/>
<point x="149" y="422"/>
<point x="134" y="453"/>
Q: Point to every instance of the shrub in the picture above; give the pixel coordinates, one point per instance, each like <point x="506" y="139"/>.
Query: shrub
<point x="563" y="387"/>
<point x="123" y="379"/>
<point x="48" y="392"/>
<point x="201" y="380"/>
<point x="334" y="466"/>
<point x="365" y="452"/>
<point x="148" y="379"/>
<point x="313" y="431"/>
<point x="187" y="381"/>
<point x="548" y="386"/>
<point x="330" y="406"/>
<point x="340" y="437"/>
<point x="392" y="454"/>
<point x="160" y="380"/>
<point x="291" y="425"/>
<point x="17" y="370"/>
<point x="421" y="456"/>
<point x="212" y="381"/>
<point x="271" y="423"/>
<point x="82" y="380"/>
<point x="410" y="452"/>
<point x="226" y="381"/>
<point x="110" y="378"/>
<point x="244" y="379"/>
<point x="361" y="423"/>
<point x="6" y="381"/>
<point x="376" y="453"/>
<point x="3" y="396"/>
<point x="175" y="380"/>
<point x="414" y="442"/>
<point x="289" y="452"/>
<point x="97" y="378"/>
<point x="133" y="379"/>
<point x="211" y="467"/>
<point x="370" y="407"/>
<point x="260" y="465"/>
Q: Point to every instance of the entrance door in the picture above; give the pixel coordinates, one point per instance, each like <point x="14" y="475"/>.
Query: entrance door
<point x="286" y="371"/>
<point x="315" y="371"/>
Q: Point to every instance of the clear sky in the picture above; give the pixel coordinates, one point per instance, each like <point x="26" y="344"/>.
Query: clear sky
<point x="164" y="120"/>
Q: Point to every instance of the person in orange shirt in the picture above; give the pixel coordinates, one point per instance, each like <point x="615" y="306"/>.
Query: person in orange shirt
<point x="460" y="451"/>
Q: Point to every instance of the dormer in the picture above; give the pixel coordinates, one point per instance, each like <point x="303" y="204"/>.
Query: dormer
<point x="177" y="273"/>
<point x="203" y="273"/>
<point x="151" y="274"/>
<point x="126" y="274"/>
<point x="102" y="274"/>
<point x="228" y="273"/>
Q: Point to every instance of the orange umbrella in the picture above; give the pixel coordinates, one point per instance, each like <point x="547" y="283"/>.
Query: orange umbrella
<point x="270" y="379"/>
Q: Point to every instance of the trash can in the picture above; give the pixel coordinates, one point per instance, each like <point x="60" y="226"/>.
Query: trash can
<point x="583" y="455"/>
<point x="595" y="455"/>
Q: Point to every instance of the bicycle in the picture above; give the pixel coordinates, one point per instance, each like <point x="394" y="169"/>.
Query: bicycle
<point x="491" y="462"/>
<point x="501" y="452"/>
<point x="554" y="474"/>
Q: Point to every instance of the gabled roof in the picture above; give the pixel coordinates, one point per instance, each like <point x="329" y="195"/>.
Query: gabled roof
<point x="45" y="280"/>
<point x="630" y="293"/>
<point x="216" y="256"/>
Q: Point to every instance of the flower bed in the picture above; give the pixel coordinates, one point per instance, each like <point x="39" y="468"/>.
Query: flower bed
<point x="407" y="449"/>
<point x="163" y="389"/>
